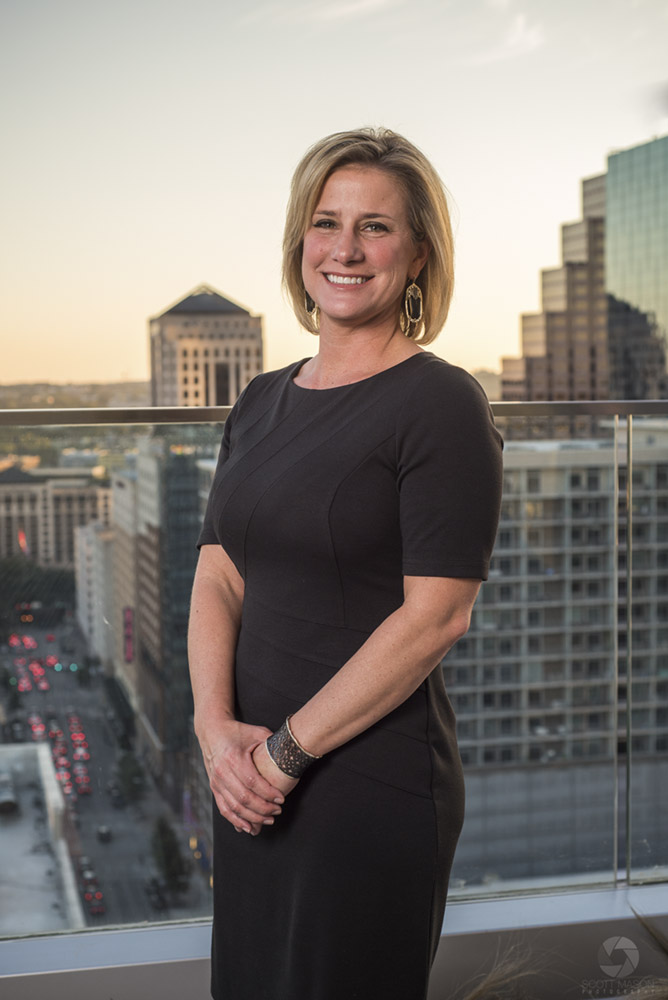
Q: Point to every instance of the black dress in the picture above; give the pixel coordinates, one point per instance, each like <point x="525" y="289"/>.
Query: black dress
<point x="324" y="500"/>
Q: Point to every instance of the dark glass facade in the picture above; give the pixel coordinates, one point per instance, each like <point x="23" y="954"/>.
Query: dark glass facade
<point x="602" y="329"/>
<point x="636" y="268"/>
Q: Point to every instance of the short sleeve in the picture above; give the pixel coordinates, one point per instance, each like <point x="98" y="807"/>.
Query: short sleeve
<point x="208" y="534"/>
<point x="450" y="476"/>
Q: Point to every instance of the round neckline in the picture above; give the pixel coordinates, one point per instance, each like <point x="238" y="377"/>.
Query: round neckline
<point x="348" y="385"/>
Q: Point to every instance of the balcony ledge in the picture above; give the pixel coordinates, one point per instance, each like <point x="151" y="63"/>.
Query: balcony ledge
<point x="563" y="932"/>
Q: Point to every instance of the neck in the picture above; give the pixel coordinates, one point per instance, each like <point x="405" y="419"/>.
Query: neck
<point x="346" y="356"/>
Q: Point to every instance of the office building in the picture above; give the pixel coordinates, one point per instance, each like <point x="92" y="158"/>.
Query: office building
<point x="168" y="523"/>
<point x="636" y="268"/>
<point x="204" y="350"/>
<point x="125" y="652"/>
<point x="94" y="589"/>
<point x="601" y="330"/>
<point x="40" y="511"/>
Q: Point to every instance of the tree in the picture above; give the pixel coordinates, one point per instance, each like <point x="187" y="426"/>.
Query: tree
<point x="168" y="856"/>
<point x="131" y="777"/>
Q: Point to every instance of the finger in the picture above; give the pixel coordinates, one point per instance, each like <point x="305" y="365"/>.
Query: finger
<point x="241" y="790"/>
<point x="240" y="825"/>
<point x="238" y="772"/>
<point x="239" y="814"/>
<point x="249" y="807"/>
<point x="259" y="785"/>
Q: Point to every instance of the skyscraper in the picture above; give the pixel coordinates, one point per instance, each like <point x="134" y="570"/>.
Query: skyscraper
<point x="600" y="333"/>
<point x="636" y="268"/>
<point x="204" y="350"/>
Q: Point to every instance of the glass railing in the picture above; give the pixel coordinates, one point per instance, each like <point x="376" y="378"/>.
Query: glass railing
<point x="560" y="686"/>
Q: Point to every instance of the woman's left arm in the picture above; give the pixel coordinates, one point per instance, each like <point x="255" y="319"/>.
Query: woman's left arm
<point x="387" y="668"/>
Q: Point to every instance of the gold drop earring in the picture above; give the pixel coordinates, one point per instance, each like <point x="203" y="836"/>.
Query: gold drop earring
<point x="412" y="313"/>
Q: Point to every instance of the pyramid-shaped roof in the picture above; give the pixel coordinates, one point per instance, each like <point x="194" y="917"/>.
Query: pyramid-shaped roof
<point x="204" y="299"/>
<point x="15" y="474"/>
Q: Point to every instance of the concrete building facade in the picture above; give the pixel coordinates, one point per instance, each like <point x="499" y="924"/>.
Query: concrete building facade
<point x="534" y="679"/>
<point x="204" y="350"/>
<point x="125" y="604"/>
<point x="41" y="510"/>
<point x="94" y="547"/>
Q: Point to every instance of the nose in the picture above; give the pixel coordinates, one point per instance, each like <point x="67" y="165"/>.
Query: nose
<point x="347" y="248"/>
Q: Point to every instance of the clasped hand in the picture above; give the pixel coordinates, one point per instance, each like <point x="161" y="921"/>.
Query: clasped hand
<point x="249" y="789"/>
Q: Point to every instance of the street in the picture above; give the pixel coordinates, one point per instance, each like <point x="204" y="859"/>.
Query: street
<point x="123" y="863"/>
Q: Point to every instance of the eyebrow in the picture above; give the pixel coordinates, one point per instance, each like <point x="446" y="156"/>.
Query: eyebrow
<point x="364" y="215"/>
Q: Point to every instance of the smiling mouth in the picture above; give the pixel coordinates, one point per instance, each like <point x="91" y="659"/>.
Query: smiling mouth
<point x="340" y="279"/>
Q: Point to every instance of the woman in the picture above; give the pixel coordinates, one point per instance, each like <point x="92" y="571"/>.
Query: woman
<point x="350" y="523"/>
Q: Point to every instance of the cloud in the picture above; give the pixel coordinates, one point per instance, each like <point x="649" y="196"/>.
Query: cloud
<point x="319" y="11"/>
<point x="521" y="39"/>
<point x="354" y="8"/>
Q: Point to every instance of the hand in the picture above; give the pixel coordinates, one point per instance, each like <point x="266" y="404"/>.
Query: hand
<point x="243" y="795"/>
<point x="265" y="765"/>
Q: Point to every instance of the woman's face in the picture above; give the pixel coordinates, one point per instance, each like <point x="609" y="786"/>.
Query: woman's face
<point x="359" y="251"/>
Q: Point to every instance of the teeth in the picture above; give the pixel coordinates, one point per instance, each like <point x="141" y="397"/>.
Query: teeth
<point x="337" y="279"/>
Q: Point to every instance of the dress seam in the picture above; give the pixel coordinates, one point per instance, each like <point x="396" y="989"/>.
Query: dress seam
<point x="372" y="451"/>
<point x="380" y="728"/>
<point x="309" y="621"/>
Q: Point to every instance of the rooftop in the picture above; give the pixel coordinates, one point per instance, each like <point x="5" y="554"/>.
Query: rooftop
<point x="37" y="892"/>
<point x="204" y="299"/>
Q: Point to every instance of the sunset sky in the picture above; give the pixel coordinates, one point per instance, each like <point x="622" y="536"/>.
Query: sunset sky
<point x="148" y="147"/>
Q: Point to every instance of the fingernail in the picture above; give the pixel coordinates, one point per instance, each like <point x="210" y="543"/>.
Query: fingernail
<point x="267" y="822"/>
<point x="279" y="802"/>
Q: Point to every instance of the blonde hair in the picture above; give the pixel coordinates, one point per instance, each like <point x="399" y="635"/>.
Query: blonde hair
<point x="426" y="203"/>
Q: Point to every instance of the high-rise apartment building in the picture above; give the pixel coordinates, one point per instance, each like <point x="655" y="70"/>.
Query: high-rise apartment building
<point x="204" y="350"/>
<point x="540" y="684"/>
<point x="534" y="678"/>
<point x="601" y="330"/>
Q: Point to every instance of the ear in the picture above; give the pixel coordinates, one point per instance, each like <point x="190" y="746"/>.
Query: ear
<point x="422" y="250"/>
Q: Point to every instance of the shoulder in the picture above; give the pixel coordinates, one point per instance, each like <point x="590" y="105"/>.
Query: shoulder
<point x="438" y="388"/>
<point x="265" y="385"/>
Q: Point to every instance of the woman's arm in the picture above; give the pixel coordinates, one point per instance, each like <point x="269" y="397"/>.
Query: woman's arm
<point x="387" y="669"/>
<point x="242" y="795"/>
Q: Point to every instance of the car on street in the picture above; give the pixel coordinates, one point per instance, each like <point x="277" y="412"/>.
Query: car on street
<point x="96" y="905"/>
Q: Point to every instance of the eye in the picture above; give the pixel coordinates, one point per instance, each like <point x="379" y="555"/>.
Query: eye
<point x="376" y="227"/>
<point x="323" y="224"/>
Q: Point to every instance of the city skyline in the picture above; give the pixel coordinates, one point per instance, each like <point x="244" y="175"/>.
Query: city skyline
<point x="149" y="150"/>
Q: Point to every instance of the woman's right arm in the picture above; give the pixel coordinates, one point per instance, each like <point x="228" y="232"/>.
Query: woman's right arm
<point x="242" y="795"/>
